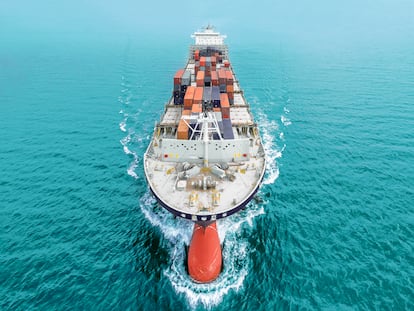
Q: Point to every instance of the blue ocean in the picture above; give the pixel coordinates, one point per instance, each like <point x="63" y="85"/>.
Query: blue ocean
<point x="333" y="224"/>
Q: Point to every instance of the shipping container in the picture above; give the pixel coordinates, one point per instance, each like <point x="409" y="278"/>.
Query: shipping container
<point x="225" y="106"/>
<point x="215" y="96"/>
<point x="198" y="96"/>
<point x="230" y="88"/>
<point x="229" y="77"/>
<point x="188" y="98"/>
<point x="182" y="130"/>
<point x="177" y="76"/>
<point x="178" y="97"/>
<point x="196" y="108"/>
<point x="196" y="54"/>
<point x="202" y="61"/>
<point x="214" y="78"/>
<point x="227" y="129"/>
<point x="217" y="113"/>
<point x="213" y="61"/>
<point x="222" y="76"/>
<point x="186" y="78"/>
<point x="183" y="88"/>
<point x="200" y="78"/>
<point x="207" y="81"/>
<point x="186" y="112"/>
<point x="226" y="63"/>
<point x="207" y="94"/>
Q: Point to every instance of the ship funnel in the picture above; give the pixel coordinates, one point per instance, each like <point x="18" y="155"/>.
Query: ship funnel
<point x="204" y="254"/>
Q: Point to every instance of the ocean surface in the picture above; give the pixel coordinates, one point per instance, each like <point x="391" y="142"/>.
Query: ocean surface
<point x="333" y="226"/>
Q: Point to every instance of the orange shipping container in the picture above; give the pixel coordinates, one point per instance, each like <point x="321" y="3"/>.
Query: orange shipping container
<point x="222" y="76"/>
<point x="196" y="108"/>
<point x="230" y="88"/>
<point x="188" y="98"/>
<point x="198" y="96"/>
<point x="229" y="77"/>
<point x="182" y="130"/>
<point x="213" y="61"/>
<point x="200" y="78"/>
<point x="225" y="106"/>
<point x="202" y="61"/>
<point x="214" y="78"/>
<point x="186" y="112"/>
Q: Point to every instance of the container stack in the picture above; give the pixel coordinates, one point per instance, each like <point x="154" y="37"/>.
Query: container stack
<point x="213" y="88"/>
<point x="182" y="79"/>
<point x="188" y="98"/>
<point x="182" y="130"/>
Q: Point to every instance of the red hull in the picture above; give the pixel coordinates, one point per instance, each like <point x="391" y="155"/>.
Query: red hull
<point x="204" y="254"/>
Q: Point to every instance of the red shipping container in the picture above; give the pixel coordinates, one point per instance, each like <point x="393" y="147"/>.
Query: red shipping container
<point x="197" y="55"/>
<point x="177" y="76"/>
<point x="202" y="61"/>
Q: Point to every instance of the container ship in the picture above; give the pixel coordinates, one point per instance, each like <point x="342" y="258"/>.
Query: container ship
<point x="205" y="160"/>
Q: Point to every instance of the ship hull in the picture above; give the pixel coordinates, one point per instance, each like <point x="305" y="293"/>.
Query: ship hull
<point x="205" y="160"/>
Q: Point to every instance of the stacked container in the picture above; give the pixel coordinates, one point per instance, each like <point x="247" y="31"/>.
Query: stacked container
<point x="207" y="94"/>
<point x="200" y="78"/>
<point x="225" y="106"/>
<point x="178" y="96"/>
<point x="182" y="129"/>
<point x="215" y="96"/>
<point x="198" y="96"/>
<point x="185" y="80"/>
<point x="230" y="86"/>
<point x="222" y="79"/>
<point x="214" y="78"/>
<point x="188" y="98"/>
<point x="227" y="129"/>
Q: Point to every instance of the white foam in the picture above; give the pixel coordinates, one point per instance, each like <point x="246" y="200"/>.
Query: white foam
<point x="122" y="126"/>
<point x="285" y="120"/>
<point x="268" y="129"/>
<point x="133" y="165"/>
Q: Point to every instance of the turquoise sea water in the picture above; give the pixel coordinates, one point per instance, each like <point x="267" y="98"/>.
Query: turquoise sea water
<point x="79" y="229"/>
